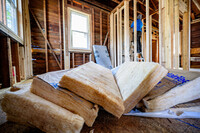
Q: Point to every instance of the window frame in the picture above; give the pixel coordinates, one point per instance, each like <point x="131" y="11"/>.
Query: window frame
<point x="70" y="46"/>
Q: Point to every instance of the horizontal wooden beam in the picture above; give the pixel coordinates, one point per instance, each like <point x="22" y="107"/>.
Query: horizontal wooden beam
<point x="195" y="51"/>
<point x="195" y="59"/>
<point x="195" y="21"/>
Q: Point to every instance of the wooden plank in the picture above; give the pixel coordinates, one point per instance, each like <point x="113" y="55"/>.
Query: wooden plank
<point x="112" y="38"/>
<point x="197" y="3"/>
<point x="121" y="36"/>
<point x="150" y="39"/>
<point x="60" y="34"/>
<point x="65" y="38"/>
<point x="186" y="43"/>
<point x="106" y="38"/>
<point x="147" y="31"/>
<point x="84" y="58"/>
<point x="118" y="36"/>
<point x="195" y="59"/>
<point x="134" y="87"/>
<point x="21" y="62"/>
<point x="73" y="62"/>
<point x="172" y="33"/>
<point x="176" y="37"/>
<point x="126" y="30"/>
<point x="101" y="28"/>
<point x="180" y="94"/>
<point x="45" y="34"/>
<point x="194" y="50"/>
<point x="195" y="21"/>
<point x="27" y="40"/>
<point x="10" y="61"/>
<point x="135" y="29"/>
<point x="96" y="88"/>
<point x="160" y="32"/>
<point x="15" y="59"/>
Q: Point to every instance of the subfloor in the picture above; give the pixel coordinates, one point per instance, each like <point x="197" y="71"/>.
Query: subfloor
<point x="106" y="123"/>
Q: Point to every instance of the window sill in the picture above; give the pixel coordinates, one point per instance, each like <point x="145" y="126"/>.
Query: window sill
<point x="80" y="50"/>
<point x="8" y="32"/>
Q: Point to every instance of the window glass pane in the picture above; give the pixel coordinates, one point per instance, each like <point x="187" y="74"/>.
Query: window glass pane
<point x="79" y="40"/>
<point x="11" y="16"/>
<point x="79" y="22"/>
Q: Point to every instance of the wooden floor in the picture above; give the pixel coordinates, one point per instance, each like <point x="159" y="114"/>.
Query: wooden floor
<point x="106" y="123"/>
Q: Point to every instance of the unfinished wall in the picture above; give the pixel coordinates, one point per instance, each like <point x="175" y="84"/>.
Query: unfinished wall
<point x="195" y="45"/>
<point x="100" y="29"/>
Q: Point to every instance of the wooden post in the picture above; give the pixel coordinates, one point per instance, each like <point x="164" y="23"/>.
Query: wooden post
<point x="120" y="44"/>
<point x="176" y="57"/>
<point x="150" y="38"/>
<point x="172" y="33"/>
<point x="186" y="37"/>
<point x="115" y="40"/>
<point x="27" y="40"/>
<point x="73" y="64"/>
<point x="84" y="58"/>
<point x="126" y="30"/>
<point x="135" y="29"/>
<point x="65" y="40"/>
<point x="143" y="46"/>
<point x="118" y="36"/>
<point x="60" y="34"/>
<point x="10" y="60"/>
<point x="101" y="28"/>
<point x="112" y="38"/>
<point x="147" y="31"/>
<point x="45" y="33"/>
<point x="160" y="32"/>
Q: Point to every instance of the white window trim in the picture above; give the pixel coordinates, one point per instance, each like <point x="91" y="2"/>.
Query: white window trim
<point x="71" y="49"/>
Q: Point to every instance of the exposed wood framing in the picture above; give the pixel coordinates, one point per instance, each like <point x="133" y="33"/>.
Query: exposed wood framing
<point x="135" y="29"/>
<point x="160" y="32"/>
<point x="106" y="38"/>
<point x="195" y="59"/>
<point x="27" y="40"/>
<point x="65" y="38"/>
<point x="197" y="3"/>
<point x="195" y="21"/>
<point x="121" y="36"/>
<point x="118" y="36"/>
<point x="73" y="65"/>
<point x="112" y="38"/>
<point x="172" y="32"/>
<point x="84" y="58"/>
<point x="60" y="33"/>
<point x="143" y="41"/>
<point x="147" y="30"/>
<point x="176" y="37"/>
<point x="101" y="28"/>
<point x="126" y="30"/>
<point x="182" y="6"/>
<point x="150" y="38"/>
<point x="195" y="50"/>
<point x="10" y="61"/>
<point x="186" y="37"/>
<point x="45" y="34"/>
<point x="38" y="24"/>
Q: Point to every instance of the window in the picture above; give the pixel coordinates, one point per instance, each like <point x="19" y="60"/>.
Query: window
<point x="11" y="15"/>
<point x="79" y="30"/>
